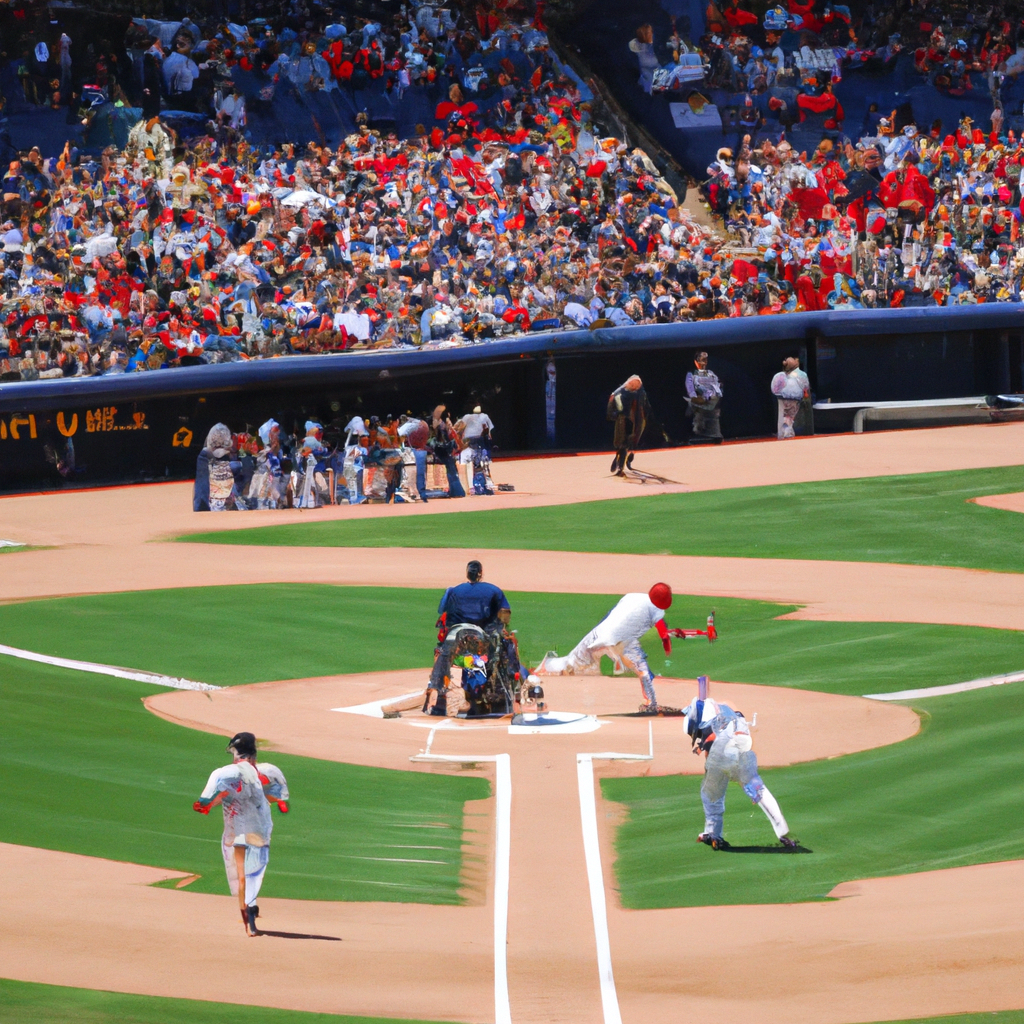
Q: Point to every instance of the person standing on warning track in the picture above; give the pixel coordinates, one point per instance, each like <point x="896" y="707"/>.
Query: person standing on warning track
<point x="723" y="735"/>
<point x="245" y="789"/>
<point x="703" y="393"/>
<point x="628" y="409"/>
<point x="617" y="636"/>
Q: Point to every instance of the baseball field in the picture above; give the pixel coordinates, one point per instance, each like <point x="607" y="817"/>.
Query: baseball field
<point x="869" y="596"/>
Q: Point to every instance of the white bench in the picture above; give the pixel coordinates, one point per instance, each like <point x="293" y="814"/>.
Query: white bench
<point x="958" y="410"/>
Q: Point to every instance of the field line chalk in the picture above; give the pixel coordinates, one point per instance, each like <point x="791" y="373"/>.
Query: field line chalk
<point x="940" y="691"/>
<point x="595" y="875"/>
<point x="107" y="670"/>
<point x="502" y="865"/>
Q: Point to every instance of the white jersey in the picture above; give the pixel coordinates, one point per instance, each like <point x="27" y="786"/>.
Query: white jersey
<point x="626" y="622"/>
<point x="245" y="806"/>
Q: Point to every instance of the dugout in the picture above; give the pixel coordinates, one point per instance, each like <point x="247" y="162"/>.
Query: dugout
<point x="543" y="391"/>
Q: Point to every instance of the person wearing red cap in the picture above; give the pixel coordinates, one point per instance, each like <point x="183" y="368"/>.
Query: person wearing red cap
<point x="617" y="636"/>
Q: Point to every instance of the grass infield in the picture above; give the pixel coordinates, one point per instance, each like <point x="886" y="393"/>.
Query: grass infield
<point x="246" y="634"/>
<point x="23" y="1002"/>
<point x="923" y="519"/>
<point x="87" y="769"/>
<point x="910" y="807"/>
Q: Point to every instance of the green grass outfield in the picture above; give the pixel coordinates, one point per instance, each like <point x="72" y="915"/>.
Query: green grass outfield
<point x="23" y="1002"/>
<point x="87" y="769"/>
<point x="246" y="634"/>
<point x="948" y="797"/>
<point x="923" y="519"/>
<point x="26" y="1003"/>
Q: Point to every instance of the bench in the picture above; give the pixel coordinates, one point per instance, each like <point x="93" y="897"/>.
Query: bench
<point x="953" y="410"/>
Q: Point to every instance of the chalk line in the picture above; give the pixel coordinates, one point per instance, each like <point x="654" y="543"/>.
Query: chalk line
<point x="595" y="875"/>
<point x="107" y="670"/>
<point x="941" y="691"/>
<point x="502" y="866"/>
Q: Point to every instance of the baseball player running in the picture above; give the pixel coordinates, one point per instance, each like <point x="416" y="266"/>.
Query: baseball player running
<point x="243" y="789"/>
<point x="617" y="635"/>
<point x="723" y="735"/>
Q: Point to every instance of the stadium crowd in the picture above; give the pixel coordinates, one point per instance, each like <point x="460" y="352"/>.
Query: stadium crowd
<point x="511" y="211"/>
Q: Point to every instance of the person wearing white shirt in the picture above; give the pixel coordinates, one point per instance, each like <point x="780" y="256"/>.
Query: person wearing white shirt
<point x="245" y="789"/>
<point x="617" y="636"/>
<point x="790" y="387"/>
<point x="723" y="736"/>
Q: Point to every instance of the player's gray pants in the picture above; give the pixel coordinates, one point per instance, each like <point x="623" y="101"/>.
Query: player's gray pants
<point x="726" y="763"/>
<point x="256" y="860"/>
<point x="585" y="659"/>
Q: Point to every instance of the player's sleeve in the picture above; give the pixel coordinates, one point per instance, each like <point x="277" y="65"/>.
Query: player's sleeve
<point x="276" y="786"/>
<point x="503" y="604"/>
<point x="443" y="606"/>
<point x="218" y="781"/>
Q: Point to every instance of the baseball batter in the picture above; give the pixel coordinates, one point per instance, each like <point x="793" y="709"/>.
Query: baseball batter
<point x="723" y="735"/>
<point x="245" y="789"/>
<point x="617" y="635"/>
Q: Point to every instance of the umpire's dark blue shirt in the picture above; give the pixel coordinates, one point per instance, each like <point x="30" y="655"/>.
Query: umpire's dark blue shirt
<point x="478" y="603"/>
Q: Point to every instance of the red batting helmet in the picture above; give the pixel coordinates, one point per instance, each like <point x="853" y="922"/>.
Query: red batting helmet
<point x="660" y="595"/>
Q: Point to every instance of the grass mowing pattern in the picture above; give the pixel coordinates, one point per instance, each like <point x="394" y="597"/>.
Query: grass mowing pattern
<point x="89" y="770"/>
<point x="923" y="519"/>
<point x="910" y="807"/>
<point x="23" y="1002"/>
<point x="302" y="630"/>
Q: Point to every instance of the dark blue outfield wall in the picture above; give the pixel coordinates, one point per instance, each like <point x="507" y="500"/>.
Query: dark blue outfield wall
<point x="151" y="425"/>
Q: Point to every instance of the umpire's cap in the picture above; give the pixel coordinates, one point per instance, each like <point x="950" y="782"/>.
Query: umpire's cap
<point x="242" y="744"/>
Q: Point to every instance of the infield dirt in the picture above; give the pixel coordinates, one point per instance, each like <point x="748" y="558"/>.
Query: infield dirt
<point x="909" y="946"/>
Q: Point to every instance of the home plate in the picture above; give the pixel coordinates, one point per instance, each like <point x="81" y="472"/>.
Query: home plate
<point x="532" y="723"/>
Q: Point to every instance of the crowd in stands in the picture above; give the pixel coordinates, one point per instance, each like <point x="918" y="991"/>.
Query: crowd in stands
<point x="380" y="460"/>
<point x="510" y="211"/>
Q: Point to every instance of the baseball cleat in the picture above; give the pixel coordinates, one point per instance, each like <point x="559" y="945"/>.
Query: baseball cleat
<point x="392" y="714"/>
<point x="251" y="913"/>
<point x="542" y="668"/>
<point x="658" y="709"/>
<point x="789" y="842"/>
<point x="715" y="842"/>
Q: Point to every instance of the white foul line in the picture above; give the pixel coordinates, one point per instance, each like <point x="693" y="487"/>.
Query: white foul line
<point x="595" y="875"/>
<point x="940" y="691"/>
<point x="502" y="859"/>
<point x="108" y="670"/>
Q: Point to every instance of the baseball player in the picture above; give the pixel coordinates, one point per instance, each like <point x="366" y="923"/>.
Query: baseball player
<point x="617" y="635"/>
<point x="245" y="789"/>
<point x="723" y="735"/>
